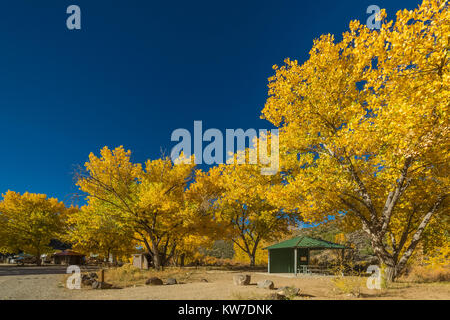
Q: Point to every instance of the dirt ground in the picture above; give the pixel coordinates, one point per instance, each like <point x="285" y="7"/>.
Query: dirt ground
<point x="48" y="283"/>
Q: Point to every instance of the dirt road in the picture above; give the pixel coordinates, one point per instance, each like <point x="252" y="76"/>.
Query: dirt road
<point x="31" y="282"/>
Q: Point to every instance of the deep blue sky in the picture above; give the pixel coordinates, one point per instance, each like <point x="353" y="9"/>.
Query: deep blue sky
<point x="138" y="70"/>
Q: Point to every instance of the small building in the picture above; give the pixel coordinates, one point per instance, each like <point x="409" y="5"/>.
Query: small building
<point x="293" y="255"/>
<point x="141" y="261"/>
<point x="68" y="257"/>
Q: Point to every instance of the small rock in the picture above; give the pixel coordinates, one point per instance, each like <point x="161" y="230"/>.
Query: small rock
<point x="95" y="285"/>
<point x="154" y="281"/>
<point x="203" y="280"/>
<point x="241" y="280"/>
<point x="171" y="281"/>
<point x="277" y="296"/>
<point x="101" y="285"/>
<point x="265" y="284"/>
<point x="288" y="291"/>
<point x="88" y="279"/>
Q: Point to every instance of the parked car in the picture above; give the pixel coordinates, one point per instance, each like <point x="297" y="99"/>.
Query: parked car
<point x="24" y="258"/>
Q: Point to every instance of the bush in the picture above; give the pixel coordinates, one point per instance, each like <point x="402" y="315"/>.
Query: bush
<point x="349" y="285"/>
<point x="428" y="274"/>
<point x="127" y="274"/>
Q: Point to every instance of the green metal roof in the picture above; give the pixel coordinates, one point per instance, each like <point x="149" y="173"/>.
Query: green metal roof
<point x="306" y="242"/>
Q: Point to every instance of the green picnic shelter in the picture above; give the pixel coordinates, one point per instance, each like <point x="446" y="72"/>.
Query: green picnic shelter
<point x="293" y="255"/>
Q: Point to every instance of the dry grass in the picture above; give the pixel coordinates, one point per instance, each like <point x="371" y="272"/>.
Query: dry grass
<point x="130" y="276"/>
<point x="420" y="274"/>
<point x="338" y="287"/>
<point x="349" y="285"/>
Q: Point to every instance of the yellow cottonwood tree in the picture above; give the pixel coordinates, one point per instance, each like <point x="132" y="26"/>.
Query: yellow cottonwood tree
<point x="364" y="129"/>
<point x="261" y="255"/>
<point x="148" y="200"/>
<point x="92" y="230"/>
<point x="189" y="249"/>
<point x="29" y="221"/>
<point x="240" y="207"/>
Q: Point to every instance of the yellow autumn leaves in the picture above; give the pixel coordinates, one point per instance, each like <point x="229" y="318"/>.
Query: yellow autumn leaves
<point x="364" y="135"/>
<point x="162" y="208"/>
<point x="29" y="221"/>
<point x="364" y="129"/>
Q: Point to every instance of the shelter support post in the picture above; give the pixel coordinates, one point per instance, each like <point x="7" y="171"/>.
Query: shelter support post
<point x="295" y="261"/>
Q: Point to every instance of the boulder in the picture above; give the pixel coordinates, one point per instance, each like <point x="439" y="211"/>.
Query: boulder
<point x="242" y="280"/>
<point x="154" y="281"/>
<point x="101" y="285"/>
<point x="288" y="291"/>
<point x="89" y="279"/>
<point x="86" y="281"/>
<point x="265" y="284"/>
<point x="171" y="281"/>
<point x="95" y="285"/>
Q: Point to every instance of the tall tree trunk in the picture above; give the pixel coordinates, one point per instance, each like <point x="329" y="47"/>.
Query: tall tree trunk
<point x="149" y="250"/>
<point x="156" y="256"/>
<point x="252" y="260"/>
<point x="38" y="257"/>
<point x="182" y="260"/>
<point x="253" y="253"/>
<point x="391" y="273"/>
<point x="384" y="256"/>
